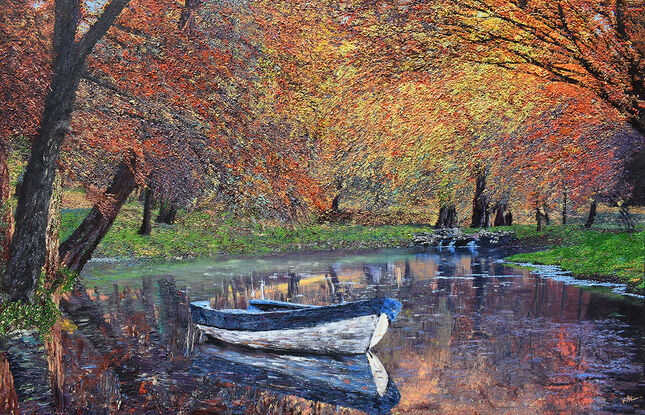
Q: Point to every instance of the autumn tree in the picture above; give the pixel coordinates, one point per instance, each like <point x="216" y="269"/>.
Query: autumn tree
<point x="196" y="128"/>
<point x="159" y="139"/>
<point x="71" y="44"/>
<point x="590" y="50"/>
<point x="592" y="45"/>
<point x="598" y="46"/>
<point x="24" y="79"/>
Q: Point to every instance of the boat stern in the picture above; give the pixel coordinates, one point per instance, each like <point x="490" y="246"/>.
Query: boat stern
<point x="391" y="308"/>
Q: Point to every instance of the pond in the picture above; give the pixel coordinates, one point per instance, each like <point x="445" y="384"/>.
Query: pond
<point x="474" y="336"/>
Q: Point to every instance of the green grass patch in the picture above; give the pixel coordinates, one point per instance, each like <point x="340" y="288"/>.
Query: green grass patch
<point x="41" y="312"/>
<point x="205" y="234"/>
<point x="589" y="253"/>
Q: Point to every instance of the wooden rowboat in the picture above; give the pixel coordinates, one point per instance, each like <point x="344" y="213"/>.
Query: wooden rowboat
<point x="348" y="328"/>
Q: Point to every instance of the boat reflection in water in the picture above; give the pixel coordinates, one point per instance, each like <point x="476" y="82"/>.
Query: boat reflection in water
<point x="358" y="381"/>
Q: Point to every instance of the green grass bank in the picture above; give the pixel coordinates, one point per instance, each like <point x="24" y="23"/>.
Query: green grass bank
<point x="592" y="254"/>
<point x="205" y="234"/>
<point x="587" y="253"/>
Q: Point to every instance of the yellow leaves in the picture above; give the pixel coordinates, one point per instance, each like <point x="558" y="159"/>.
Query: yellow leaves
<point x="347" y="47"/>
<point x="68" y="326"/>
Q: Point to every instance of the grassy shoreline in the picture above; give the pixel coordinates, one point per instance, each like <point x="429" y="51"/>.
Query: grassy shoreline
<point x="203" y="234"/>
<point x="595" y="254"/>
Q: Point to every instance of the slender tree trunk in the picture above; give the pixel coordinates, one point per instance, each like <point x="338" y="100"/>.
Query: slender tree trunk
<point x="187" y="18"/>
<point x="545" y="215"/>
<point x="292" y="288"/>
<point x="56" y="365"/>
<point x="635" y="169"/>
<point x="481" y="208"/>
<point x="592" y="214"/>
<point x="6" y="211"/>
<point x="541" y="215"/>
<point x="564" y="207"/>
<point x="167" y="213"/>
<point x="163" y="211"/>
<point x="447" y="217"/>
<point x="79" y="247"/>
<point x="28" y="246"/>
<point x="626" y="217"/>
<point x="335" y="202"/>
<point x="146" y="227"/>
<point x="503" y="216"/>
<point x="499" y="216"/>
<point x="172" y="215"/>
<point x="52" y="263"/>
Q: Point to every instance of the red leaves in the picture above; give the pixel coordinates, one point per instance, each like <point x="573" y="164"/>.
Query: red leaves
<point x="25" y="61"/>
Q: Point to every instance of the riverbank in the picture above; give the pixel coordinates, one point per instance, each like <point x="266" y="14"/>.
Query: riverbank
<point x="594" y="254"/>
<point x="598" y="254"/>
<point x="206" y="234"/>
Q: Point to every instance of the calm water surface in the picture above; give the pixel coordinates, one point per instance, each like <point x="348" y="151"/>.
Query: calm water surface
<point x="474" y="336"/>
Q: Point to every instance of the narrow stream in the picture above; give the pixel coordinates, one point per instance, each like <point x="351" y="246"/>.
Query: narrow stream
<point x="474" y="336"/>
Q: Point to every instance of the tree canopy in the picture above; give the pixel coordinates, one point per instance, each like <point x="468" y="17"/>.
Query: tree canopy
<point x="287" y="108"/>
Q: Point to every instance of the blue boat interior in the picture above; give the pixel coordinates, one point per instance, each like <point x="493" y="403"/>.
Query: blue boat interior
<point x="271" y="305"/>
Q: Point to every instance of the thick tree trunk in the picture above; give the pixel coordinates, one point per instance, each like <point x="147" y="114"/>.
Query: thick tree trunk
<point x="167" y="213"/>
<point x="564" y="208"/>
<point x="53" y="231"/>
<point x="508" y="218"/>
<point x="592" y="214"/>
<point x="29" y="243"/>
<point x="78" y="248"/>
<point x="146" y="227"/>
<point x="6" y="211"/>
<point x="28" y="246"/>
<point x="481" y="212"/>
<point x="447" y="217"/>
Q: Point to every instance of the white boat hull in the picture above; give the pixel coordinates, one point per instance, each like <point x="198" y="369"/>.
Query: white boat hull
<point x="350" y="336"/>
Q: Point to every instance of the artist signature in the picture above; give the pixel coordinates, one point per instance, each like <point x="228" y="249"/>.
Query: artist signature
<point x="628" y="398"/>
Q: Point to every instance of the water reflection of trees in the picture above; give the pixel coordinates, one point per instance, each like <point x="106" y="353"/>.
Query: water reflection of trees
<point x="484" y="341"/>
<point x="478" y="343"/>
<point x="8" y="395"/>
<point x="533" y="359"/>
<point x="127" y="353"/>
